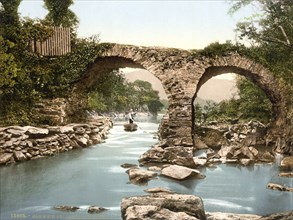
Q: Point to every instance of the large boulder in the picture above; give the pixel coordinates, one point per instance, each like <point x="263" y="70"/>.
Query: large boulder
<point x="170" y="155"/>
<point x="189" y="204"/>
<point x="150" y="212"/>
<point x="214" y="139"/>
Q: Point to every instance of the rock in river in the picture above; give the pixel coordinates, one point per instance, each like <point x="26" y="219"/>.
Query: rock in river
<point x="140" y="177"/>
<point x="150" y="212"/>
<point x="66" y="208"/>
<point x="156" y="205"/>
<point x="96" y="209"/>
<point x="179" y="172"/>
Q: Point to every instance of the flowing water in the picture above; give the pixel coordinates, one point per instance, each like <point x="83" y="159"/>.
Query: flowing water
<point x="93" y="176"/>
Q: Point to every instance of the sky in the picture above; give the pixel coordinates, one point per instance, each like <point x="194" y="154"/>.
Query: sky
<point x="191" y="24"/>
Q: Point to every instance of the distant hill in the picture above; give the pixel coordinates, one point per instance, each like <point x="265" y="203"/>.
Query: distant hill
<point x="217" y="90"/>
<point x="214" y="89"/>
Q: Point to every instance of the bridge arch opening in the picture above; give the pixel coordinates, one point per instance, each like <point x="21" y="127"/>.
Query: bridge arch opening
<point x="106" y="65"/>
<point x="258" y="80"/>
<point x="231" y="97"/>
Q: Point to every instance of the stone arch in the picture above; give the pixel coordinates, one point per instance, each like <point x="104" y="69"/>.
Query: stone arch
<point x="119" y="56"/>
<point x="261" y="77"/>
<point x="181" y="73"/>
<point x="255" y="72"/>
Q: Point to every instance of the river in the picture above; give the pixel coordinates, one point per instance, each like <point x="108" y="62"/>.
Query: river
<point x="93" y="176"/>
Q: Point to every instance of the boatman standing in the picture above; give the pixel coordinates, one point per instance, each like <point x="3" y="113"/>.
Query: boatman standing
<point x="130" y="116"/>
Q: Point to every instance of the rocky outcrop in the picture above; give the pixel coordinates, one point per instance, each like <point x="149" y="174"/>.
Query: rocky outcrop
<point x="163" y="206"/>
<point x="164" y="154"/>
<point x="216" y="135"/>
<point x="25" y="143"/>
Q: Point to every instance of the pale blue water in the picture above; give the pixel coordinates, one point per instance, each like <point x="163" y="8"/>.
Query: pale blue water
<point x="93" y="176"/>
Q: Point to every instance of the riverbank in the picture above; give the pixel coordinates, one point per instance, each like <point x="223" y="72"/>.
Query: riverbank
<point x="28" y="143"/>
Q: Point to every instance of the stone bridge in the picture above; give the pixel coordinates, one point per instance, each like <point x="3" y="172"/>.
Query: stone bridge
<point x="181" y="73"/>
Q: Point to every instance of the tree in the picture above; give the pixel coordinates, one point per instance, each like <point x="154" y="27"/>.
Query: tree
<point x="253" y="103"/>
<point x="270" y="33"/>
<point x="112" y="93"/>
<point x="8" y="66"/>
<point x="9" y="19"/>
<point x="148" y="97"/>
<point x="60" y="14"/>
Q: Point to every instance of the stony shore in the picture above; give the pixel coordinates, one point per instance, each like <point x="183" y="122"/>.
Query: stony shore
<point x="28" y="143"/>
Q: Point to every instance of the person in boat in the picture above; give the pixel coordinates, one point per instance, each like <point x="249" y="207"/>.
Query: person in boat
<point x="131" y="116"/>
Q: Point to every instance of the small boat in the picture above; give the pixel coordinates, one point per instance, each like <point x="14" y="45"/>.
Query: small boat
<point x="130" y="127"/>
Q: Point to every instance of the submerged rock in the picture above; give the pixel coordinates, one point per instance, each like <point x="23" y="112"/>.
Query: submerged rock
<point x="96" y="209"/>
<point x="128" y="165"/>
<point x="279" y="187"/>
<point x="66" y="208"/>
<point x="159" y="190"/>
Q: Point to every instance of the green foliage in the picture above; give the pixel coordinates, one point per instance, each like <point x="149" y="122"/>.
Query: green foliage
<point x="8" y="66"/>
<point x="270" y="31"/>
<point x="147" y="96"/>
<point x="113" y="93"/>
<point x="68" y="69"/>
<point x="217" y="49"/>
<point x="9" y="12"/>
<point x="9" y="19"/>
<point x="27" y="77"/>
<point x="252" y="103"/>
<point x="60" y="14"/>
